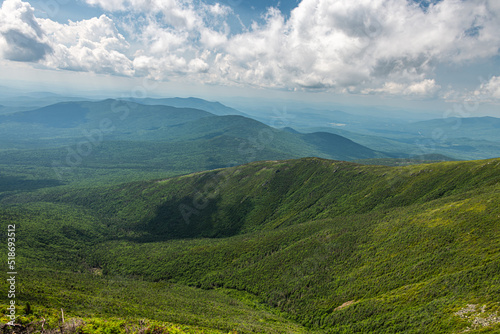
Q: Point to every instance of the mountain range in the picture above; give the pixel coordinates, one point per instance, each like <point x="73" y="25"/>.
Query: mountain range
<point x="114" y="132"/>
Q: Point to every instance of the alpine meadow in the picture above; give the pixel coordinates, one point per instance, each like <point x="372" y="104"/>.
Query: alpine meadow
<point x="237" y="166"/>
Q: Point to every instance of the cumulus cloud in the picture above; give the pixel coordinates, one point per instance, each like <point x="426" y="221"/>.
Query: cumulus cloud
<point x="21" y="37"/>
<point x="176" y="38"/>
<point x="367" y="46"/>
<point x="387" y="46"/>
<point x="489" y="90"/>
<point x="89" y="45"/>
<point x="424" y="88"/>
<point x="176" y="13"/>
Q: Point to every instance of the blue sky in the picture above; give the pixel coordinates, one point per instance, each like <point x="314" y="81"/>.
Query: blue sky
<point x="406" y="54"/>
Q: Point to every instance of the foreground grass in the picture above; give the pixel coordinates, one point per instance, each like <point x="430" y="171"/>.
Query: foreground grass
<point x="44" y="320"/>
<point x="95" y="296"/>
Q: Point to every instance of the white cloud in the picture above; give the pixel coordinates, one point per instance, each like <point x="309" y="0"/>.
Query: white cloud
<point x="364" y="46"/>
<point x="218" y="9"/>
<point x="212" y="39"/>
<point x="21" y="37"/>
<point x="489" y="90"/>
<point x="93" y="45"/>
<point x="197" y="65"/>
<point x="179" y="14"/>
<point x="385" y="46"/>
<point x="160" y="40"/>
<point x="174" y="35"/>
<point x="424" y="88"/>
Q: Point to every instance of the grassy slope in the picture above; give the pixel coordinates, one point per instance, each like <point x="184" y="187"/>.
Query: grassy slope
<point x="416" y="160"/>
<point x="56" y="271"/>
<point x="95" y="296"/>
<point x="408" y="246"/>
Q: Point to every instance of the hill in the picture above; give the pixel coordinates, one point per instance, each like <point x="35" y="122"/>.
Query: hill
<point x="333" y="246"/>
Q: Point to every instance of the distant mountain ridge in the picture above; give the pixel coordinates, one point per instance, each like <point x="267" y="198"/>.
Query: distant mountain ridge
<point x="77" y="113"/>
<point x="215" y="108"/>
<point x="126" y="121"/>
<point x="486" y="128"/>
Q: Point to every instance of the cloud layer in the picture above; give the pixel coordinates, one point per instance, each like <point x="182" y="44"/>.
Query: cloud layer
<point x="389" y="47"/>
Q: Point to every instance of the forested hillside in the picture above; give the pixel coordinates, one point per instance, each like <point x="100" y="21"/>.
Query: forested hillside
<point x="331" y="246"/>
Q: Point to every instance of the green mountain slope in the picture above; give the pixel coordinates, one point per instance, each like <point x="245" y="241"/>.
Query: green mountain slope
<point x="336" y="246"/>
<point x="414" y="160"/>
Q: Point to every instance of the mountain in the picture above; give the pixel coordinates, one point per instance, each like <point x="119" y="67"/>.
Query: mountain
<point x="328" y="245"/>
<point x="343" y="149"/>
<point x="475" y="138"/>
<point x="61" y="115"/>
<point x="215" y="108"/>
<point x="8" y="109"/>
<point x="380" y="142"/>
<point x="303" y="118"/>
<point x="105" y="134"/>
<point x="76" y="114"/>
<point x="37" y="100"/>
<point x="484" y="128"/>
<point x="65" y="123"/>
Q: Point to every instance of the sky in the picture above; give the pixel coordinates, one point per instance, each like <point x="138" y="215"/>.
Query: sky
<point x="427" y="54"/>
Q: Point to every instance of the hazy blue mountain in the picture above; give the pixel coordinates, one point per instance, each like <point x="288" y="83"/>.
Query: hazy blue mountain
<point x="113" y="133"/>
<point x="486" y="128"/>
<point x="75" y="119"/>
<point x="299" y="118"/>
<point x="338" y="146"/>
<point x="458" y="138"/>
<point x="74" y="114"/>
<point x="379" y="143"/>
<point x="37" y="100"/>
<point x="215" y="108"/>
<point x="118" y="120"/>
<point x="61" y="115"/>
<point x="291" y="130"/>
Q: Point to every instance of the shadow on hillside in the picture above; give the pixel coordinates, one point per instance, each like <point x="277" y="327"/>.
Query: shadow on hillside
<point x="195" y="217"/>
